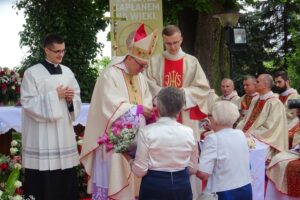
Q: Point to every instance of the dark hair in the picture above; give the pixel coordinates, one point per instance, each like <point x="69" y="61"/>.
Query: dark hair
<point x="170" y="101"/>
<point x="170" y="30"/>
<point x="51" y="39"/>
<point x="282" y="74"/>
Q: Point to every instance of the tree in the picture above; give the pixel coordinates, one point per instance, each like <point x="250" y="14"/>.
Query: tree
<point x="269" y="31"/>
<point x="294" y="61"/>
<point x="78" y="21"/>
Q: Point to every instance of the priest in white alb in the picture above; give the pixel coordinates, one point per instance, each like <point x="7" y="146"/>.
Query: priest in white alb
<point x="175" y="68"/>
<point x="50" y="97"/>
<point x="121" y="92"/>
<point x="266" y="120"/>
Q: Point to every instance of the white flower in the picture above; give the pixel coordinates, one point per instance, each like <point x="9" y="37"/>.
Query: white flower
<point x="13" y="150"/>
<point x="80" y="142"/>
<point x="17" y="197"/>
<point x="14" y="143"/>
<point x="18" y="166"/>
<point x="8" y="71"/>
<point x="18" y="184"/>
<point x="1" y="193"/>
<point x="13" y="87"/>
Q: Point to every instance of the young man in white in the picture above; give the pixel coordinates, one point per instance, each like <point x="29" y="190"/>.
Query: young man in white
<point x="50" y="97"/>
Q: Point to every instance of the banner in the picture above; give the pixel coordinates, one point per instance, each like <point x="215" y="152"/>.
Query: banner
<point x="127" y="15"/>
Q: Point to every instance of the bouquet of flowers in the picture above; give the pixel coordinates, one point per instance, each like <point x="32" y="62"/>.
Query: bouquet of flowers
<point x="121" y="135"/>
<point x="10" y="171"/>
<point x="10" y="82"/>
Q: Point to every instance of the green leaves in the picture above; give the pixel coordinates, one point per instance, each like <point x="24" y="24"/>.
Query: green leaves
<point x="78" y="22"/>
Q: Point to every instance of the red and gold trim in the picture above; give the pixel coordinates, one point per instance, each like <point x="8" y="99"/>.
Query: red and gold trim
<point x="254" y="114"/>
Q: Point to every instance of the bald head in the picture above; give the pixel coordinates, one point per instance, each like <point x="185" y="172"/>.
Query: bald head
<point x="264" y="83"/>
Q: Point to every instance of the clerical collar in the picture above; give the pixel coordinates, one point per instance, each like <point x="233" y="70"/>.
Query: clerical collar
<point x="230" y="96"/>
<point x="266" y="96"/>
<point x="177" y="56"/>
<point x="253" y="94"/>
<point x="122" y="66"/>
<point x="52" y="68"/>
<point x="288" y="91"/>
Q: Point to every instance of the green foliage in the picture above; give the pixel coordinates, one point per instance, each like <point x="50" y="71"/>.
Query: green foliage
<point x="78" y="22"/>
<point x="171" y="8"/>
<point x="101" y="64"/>
<point x="269" y="38"/>
<point x="294" y="62"/>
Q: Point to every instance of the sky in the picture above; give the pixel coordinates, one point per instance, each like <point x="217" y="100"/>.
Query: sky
<point x="11" y="23"/>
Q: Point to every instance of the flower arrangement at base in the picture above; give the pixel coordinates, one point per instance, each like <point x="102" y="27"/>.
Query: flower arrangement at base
<point x="10" y="172"/>
<point x="81" y="174"/>
<point x="10" y="82"/>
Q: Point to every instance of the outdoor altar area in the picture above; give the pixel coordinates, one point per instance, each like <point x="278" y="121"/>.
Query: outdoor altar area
<point x="10" y="146"/>
<point x="10" y="119"/>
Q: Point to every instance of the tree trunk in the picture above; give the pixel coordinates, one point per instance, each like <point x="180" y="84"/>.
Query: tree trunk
<point x="205" y="39"/>
<point x="211" y="50"/>
<point x="187" y="23"/>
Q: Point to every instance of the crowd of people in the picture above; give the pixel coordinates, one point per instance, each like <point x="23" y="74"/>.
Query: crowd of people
<point x="167" y="96"/>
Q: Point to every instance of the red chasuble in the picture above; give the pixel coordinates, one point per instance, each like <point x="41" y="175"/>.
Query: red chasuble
<point x="245" y="104"/>
<point x="283" y="98"/>
<point x="254" y="114"/>
<point x="173" y="77"/>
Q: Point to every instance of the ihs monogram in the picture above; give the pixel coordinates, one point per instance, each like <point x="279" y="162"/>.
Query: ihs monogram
<point x="173" y="79"/>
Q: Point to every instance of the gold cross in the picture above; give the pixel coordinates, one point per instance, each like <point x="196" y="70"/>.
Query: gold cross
<point x="114" y="23"/>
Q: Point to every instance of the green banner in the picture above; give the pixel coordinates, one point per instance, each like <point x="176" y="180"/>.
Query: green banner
<point x="127" y="15"/>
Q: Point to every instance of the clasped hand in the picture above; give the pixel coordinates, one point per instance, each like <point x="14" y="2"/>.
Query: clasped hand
<point x="65" y="93"/>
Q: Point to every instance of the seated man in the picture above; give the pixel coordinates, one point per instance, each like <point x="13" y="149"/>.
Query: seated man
<point x="228" y="92"/>
<point x="266" y="120"/>
<point x="283" y="171"/>
<point x="286" y="93"/>
<point x="244" y="102"/>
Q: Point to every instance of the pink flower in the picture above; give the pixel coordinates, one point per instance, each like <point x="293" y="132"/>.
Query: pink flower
<point x="129" y="126"/>
<point x="3" y="86"/>
<point x="116" y="130"/>
<point x="4" y="166"/>
<point x="109" y="146"/>
<point x="103" y="139"/>
<point x="18" y="90"/>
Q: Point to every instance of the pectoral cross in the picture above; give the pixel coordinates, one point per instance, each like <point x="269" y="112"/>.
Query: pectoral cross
<point x="114" y="24"/>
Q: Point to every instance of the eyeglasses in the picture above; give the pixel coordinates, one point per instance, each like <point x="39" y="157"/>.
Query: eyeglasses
<point x="172" y="43"/>
<point x="58" y="51"/>
<point x="141" y="65"/>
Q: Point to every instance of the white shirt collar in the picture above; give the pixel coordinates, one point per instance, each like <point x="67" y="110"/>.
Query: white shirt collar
<point x="177" y="56"/>
<point x="228" y="97"/>
<point x="166" y="119"/>
<point x="287" y="92"/>
<point x="55" y="65"/>
<point x="266" y="96"/>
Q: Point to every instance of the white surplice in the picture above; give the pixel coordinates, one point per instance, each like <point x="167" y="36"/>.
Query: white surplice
<point x="48" y="137"/>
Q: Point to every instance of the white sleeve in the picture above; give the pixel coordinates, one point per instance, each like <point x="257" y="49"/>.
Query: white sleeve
<point x="140" y="164"/>
<point x="76" y="99"/>
<point x="40" y="107"/>
<point x="208" y="155"/>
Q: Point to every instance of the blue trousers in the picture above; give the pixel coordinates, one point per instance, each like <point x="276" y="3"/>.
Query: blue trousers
<point x="159" y="185"/>
<point x="242" y="193"/>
